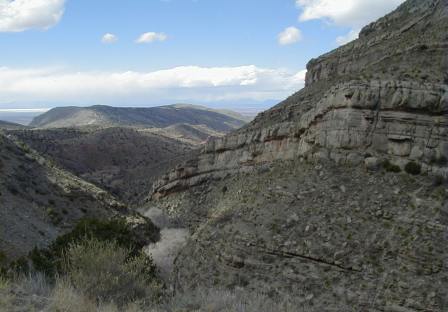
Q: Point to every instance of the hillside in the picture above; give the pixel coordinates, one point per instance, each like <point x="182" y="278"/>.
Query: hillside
<point x="189" y="134"/>
<point x="123" y="161"/>
<point x="337" y="196"/>
<point x="5" y="125"/>
<point x="152" y="117"/>
<point x="39" y="202"/>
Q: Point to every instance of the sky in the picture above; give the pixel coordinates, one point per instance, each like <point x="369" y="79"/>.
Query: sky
<point x="245" y="55"/>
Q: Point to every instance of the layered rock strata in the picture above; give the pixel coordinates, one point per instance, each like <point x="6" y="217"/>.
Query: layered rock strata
<point x="384" y="95"/>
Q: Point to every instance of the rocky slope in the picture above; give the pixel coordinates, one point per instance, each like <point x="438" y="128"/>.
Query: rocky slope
<point x="190" y="134"/>
<point x="152" y="117"/>
<point x="307" y="199"/>
<point x="123" y="161"/>
<point x="38" y="201"/>
<point x="335" y="237"/>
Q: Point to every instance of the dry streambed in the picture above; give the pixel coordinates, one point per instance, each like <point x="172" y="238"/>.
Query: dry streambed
<point x="172" y="240"/>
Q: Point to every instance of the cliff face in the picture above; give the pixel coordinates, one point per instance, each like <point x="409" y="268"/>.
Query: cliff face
<point x="296" y="202"/>
<point x="384" y="95"/>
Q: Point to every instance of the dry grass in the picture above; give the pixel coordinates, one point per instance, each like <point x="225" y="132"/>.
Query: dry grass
<point x="214" y="300"/>
<point x="63" y="297"/>
<point x="105" y="271"/>
<point x="102" y="277"/>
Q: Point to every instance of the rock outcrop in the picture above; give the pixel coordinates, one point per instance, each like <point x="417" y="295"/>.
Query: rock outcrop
<point x="384" y="95"/>
<point x="308" y="201"/>
<point x="332" y="236"/>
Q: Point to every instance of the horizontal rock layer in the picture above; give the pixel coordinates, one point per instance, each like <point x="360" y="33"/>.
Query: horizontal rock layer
<point x="282" y="205"/>
<point x="397" y="120"/>
<point x="385" y="94"/>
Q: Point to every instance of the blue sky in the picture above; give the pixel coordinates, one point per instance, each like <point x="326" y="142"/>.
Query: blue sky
<point x="205" y="33"/>
<point x="245" y="54"/>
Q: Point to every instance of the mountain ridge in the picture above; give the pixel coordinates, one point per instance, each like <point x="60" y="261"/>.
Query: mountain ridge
<point x="121" y="160"/>
<point x="6" y="125"/>
<point x="150" y="117"/>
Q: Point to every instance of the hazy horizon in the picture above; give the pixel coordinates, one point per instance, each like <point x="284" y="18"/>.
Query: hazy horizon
<point x="24" y="116"/>
<point x="58" y="53"/>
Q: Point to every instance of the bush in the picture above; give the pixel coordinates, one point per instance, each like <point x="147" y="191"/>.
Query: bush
<point x="389" y="167"/>
<point x="413" y="168"/>
<point x="106" y="272"/>
<point x="50" y="260"/>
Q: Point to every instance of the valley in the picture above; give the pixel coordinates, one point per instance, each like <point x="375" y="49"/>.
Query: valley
<point x="335" y="199"/>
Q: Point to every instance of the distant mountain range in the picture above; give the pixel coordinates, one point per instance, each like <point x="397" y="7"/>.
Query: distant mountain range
<point x="152" y="117"/>
<point x="10" y="125"/>
<point x="122" y="150"/>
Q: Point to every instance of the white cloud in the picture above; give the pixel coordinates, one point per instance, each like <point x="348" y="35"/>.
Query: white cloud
<point x="109" y="38"/>
<point x="24" y="110"/>
<point x="151" y="37"/>
<point x="188" y="83"/>
<point x="349" y="13"/>
<point x="21" y="15"/>
<point x="289" y="36"/>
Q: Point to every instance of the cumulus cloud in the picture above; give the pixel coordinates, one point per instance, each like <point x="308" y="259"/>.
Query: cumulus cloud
<point x="151" y="37"/>
<point x="109" y="38"/>
<point x="21" y="15"/>
<point x="289" y="36"/>
<point x="187" y="83"/>
<point x="349" y="13"/>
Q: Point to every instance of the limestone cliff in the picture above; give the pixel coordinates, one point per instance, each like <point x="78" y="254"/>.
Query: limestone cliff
<point x="296" y="202"/>
<point x="384" y="95"/>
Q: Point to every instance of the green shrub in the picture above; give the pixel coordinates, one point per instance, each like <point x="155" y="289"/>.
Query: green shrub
<point x="389" y="167"/>
<point x="413" y="168"/>
<point x="50" y="260"/>
<point x="105" y="272"/>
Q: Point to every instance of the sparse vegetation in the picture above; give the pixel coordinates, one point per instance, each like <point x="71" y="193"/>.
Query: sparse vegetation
<point x="389" y="167"/>
<point x="54" y="216"/>
<point x="50" y="260"/>
<point x="34" y="293"/>
<point x="106" y="272"/>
